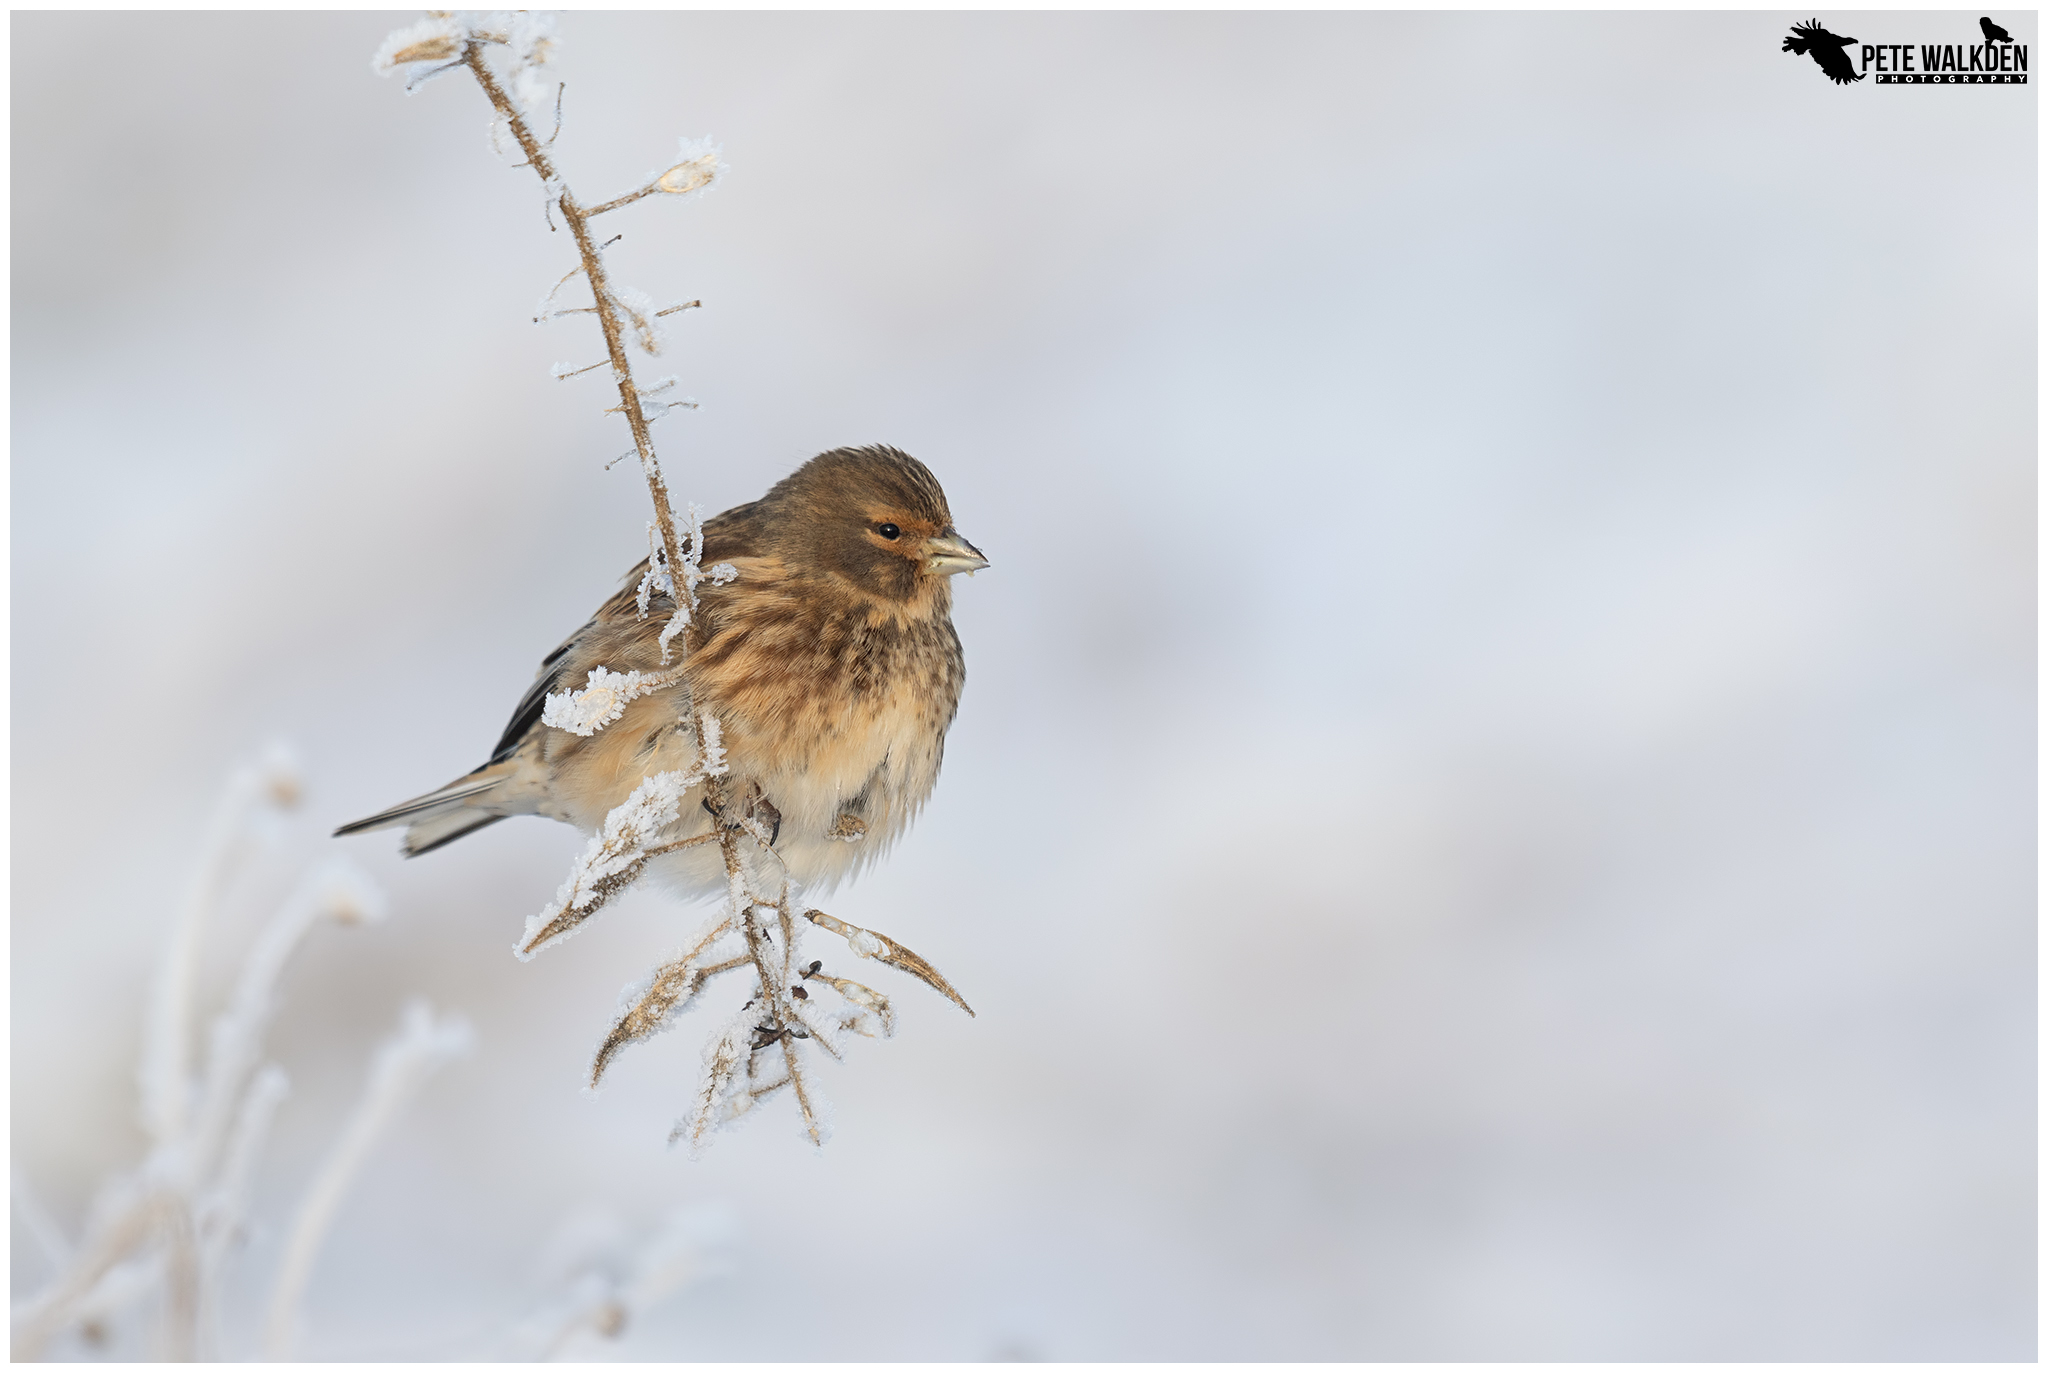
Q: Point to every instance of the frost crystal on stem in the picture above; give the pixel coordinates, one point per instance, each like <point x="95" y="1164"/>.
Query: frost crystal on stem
<point x="613" y="858"/>
<point x="604" y="698"/>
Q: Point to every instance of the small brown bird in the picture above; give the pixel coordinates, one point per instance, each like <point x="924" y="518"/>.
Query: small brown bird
<point x="829" y="662"/>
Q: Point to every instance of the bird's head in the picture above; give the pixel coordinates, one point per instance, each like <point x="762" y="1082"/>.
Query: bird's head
<point x="874" y="516"/>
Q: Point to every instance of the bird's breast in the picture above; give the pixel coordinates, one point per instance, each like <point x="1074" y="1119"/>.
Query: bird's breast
<point x="837" y="708"/>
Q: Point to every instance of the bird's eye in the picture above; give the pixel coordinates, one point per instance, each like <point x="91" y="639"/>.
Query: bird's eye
<point x="888" y="531"/>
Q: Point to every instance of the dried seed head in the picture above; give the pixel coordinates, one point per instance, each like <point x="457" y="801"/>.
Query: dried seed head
<point x="439" y="48"/>
<point x="800" y="994"/>
<point x="533" y="38"/>
<point x="697" y="165"/>
<point x="686" y="177"/>
<point x="436" y="38"/>
<point x="609" y="1320"/>
<point x="346" y="895"/>
<point x="282" y="781"/>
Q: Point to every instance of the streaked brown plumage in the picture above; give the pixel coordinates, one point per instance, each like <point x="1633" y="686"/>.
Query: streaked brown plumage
<point x="830" y="663"/>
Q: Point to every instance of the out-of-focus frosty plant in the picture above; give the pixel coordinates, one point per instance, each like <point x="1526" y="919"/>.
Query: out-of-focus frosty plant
<point x="760" y="1050"/>
<point x="603" y="1275"/>
<point x="166" y="1230"/>
<point x="403" y="1063"/>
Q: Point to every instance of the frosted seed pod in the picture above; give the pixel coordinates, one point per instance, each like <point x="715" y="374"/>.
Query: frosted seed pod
<point x="437" y="49"/>
<point x="437" y="38"/>
<point x="685" y="177"/>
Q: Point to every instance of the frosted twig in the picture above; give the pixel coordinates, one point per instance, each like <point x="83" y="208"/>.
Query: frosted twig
<point x="650" y="1006"/>
<point x="724" y="1056"/>
<point x="604" y="698"/>
<point x="273" y="781"/>
<point x="865" y="1000"/>
<point x="613" y="859"/>
<point x="421" y="1045"/>
<point x="223" y="1210"/>
<point x="868" y="944"/>
<point x="338" y="890"/>
<point x="602" y="295"/>
<point x="699" y="166"/>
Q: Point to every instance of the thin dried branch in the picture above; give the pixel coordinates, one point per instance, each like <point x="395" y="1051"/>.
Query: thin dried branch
<point x="724" y="1057"/>
<point x="654" y="1005"/>
<point x="812" y="1127"/>
<point x="868" y="944"/>
<point x="693" y="173"/>
<point x="600" y="287"/>
<point x="613" y="860"/>
<point x="863" y="998"/>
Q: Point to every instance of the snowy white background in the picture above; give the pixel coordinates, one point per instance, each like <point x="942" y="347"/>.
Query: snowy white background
<point x="1493" y="811"/>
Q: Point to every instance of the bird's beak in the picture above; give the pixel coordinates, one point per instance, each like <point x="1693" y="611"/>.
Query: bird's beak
<point x="949" y="553"/>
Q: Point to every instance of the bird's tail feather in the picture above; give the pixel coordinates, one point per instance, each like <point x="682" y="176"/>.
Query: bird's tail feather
<point x="424" y="836"/>
<point x="439" y="817"/>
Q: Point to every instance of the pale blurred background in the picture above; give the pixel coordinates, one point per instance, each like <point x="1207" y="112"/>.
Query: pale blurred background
<point x="1493" y="814"/>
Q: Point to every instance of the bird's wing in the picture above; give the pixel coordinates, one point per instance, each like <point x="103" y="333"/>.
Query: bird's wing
<point x="527" y="713"/>
<point x="618" y="637"/>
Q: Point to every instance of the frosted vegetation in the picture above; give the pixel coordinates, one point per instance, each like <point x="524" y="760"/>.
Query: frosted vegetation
<point x="762" y="1047"/>
<point x="151" y="1271"/>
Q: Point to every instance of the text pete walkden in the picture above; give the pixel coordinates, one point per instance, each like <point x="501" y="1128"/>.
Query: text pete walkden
<point x="1946" y="64"/>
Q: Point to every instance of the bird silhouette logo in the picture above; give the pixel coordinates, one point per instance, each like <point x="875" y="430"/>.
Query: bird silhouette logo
<point x="1993" y="33"/>
<point x="1825" y="49"/>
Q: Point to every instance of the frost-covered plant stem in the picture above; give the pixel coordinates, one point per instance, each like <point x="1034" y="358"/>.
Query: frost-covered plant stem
<point x="404" y="1062"/>
<point x="169" y="1226"/>
<point x="167" y="1087"/>
<point x="775" y="983"/>
<point x="578" y="220"/>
